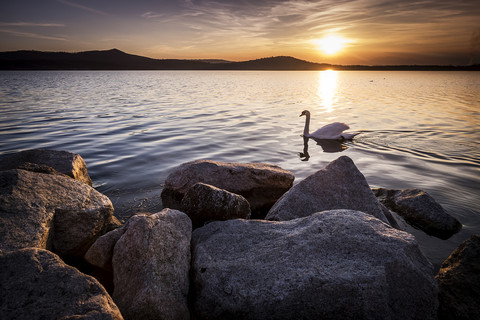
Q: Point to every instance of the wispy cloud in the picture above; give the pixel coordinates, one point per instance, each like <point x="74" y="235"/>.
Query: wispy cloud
<point x="30" y="24"/>
<point x="31" y="35"/>
<point x="79" y="6"/>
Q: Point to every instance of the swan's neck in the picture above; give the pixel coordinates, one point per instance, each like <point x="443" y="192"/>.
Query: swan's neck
<point x="306" y="130"/>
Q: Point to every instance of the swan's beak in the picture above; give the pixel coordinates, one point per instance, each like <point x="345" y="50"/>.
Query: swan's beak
<point x="302" y="114"/>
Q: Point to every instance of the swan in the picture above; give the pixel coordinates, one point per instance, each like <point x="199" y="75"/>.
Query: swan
<point x="332" y="131"/>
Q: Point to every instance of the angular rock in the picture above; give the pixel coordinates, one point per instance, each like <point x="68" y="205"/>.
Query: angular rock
<point x="204" y="203"/>
<point x="420" y="210"/>
<point x="459" y="282"/>
<point x="50" y="212"/>
<point x="340" y="185"/>
<point x="261" y="184"/>
<point x="151" y="263"/>
<point x="338" y="264"/>
<point x="64" y="162"/>
<point x="37" y="284"/>
<point x="394" y="219"/>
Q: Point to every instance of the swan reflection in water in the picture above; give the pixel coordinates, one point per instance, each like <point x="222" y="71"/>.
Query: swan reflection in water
<point x="329" y="146"/>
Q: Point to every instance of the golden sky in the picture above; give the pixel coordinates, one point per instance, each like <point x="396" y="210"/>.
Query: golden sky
<point x="368" y="32"/>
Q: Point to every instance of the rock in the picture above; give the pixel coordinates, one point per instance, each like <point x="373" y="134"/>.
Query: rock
<point x="459" y="282"/>
<point x="50" y="212"/>
<point x="70" y="164"/>
<point x="340" y="185"/>
<point x="420" y="210"/>
<point x="151" y="263"/>
<point x="261" y="184"/>
<point x="338" y="264"/>
<point x="100" y="253"/>
<point x="204" y="203"/>
<point x="394" y="219"/>
<point x="37" y="284"/>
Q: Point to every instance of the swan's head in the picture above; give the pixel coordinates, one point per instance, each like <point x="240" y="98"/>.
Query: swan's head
<point x="305" y="113"/>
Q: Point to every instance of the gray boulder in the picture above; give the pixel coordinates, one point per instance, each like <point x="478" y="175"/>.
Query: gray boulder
<point x="51" y="212"/>
<point x="459" y="282"/>
<point x="37" y="284"/>
<point x="204" y="203"/>
<point x="65" y="162"/>
<point x="261" y="184"/>
<point x="340" y="185"/>
<point x="151" y="263"/>
<point x="338" y="264"/>
<point x="420" y="210"/>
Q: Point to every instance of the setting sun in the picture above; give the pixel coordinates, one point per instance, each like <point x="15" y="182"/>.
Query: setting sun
<point x="331" y="44"/>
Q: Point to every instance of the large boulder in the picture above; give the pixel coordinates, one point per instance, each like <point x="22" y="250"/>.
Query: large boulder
<point x="261" y="184"/>
<point x="51" y="212"/>
<point x="459" y="282"/>
<point x="204" y="203"/>
<point x="70" y="164"/>
<point x="340" y="185"/>
<point x="151" y="263"/>
<point x="338" y="264"/>
<point x="37" y="284"/>
<point x="420" y="210"/>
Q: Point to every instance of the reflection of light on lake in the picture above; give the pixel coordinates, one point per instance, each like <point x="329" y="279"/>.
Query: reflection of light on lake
<point x="327" y="87"/>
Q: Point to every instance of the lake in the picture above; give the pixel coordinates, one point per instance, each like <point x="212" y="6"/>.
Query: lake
<point x="417" y="129"/>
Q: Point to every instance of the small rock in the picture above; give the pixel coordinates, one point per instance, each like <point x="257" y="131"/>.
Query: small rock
<point x="37" y="284"/>
<point x="204" y="203"/>
<point x="100" y="252"/>
<point x="151" y="263"/>
<point x="338" y="264"/>
<point x="340" y="185"/>
<point x="459" y="282"/>
<point x="50" y="212"/>
<point x="420" y="210"/>
<point x="261" y="184"/>
<point x="64" y="162"/>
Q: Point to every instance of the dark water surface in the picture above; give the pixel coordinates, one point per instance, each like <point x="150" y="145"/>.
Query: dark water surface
<point x="418" y="129"/>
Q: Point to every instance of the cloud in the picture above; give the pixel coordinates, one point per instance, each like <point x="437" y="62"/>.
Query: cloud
<point x="79" y="6"/>
<point x="30" y="24"/>
<point x="31" y="35"/>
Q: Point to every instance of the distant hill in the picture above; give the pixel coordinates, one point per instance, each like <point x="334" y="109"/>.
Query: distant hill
<point x="115" y="59"/>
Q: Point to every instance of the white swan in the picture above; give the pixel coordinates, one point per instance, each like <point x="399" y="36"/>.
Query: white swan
<point x="332" y="131"/>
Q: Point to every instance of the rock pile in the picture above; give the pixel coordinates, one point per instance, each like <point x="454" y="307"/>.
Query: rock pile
<point x="327" y="250"/>
<point x="261" y="184"/>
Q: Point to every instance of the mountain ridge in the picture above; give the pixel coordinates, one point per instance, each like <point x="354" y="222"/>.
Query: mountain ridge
<point x="115" y="59"/>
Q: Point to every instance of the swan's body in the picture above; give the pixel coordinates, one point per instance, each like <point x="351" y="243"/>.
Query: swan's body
<point x="332" y="131"/>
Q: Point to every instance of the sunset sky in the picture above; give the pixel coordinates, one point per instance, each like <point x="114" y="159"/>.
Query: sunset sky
<point x="370" y="32"/>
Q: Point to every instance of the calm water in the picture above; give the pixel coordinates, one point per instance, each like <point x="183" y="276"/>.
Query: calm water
<point x="419" y="129"/>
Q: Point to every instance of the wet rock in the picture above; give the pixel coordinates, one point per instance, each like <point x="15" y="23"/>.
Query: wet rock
<point x="51" y="212"/>
<point x="340" y="185"/>
<point x="151" y="263"/>
<point x="420" y="210"/>
<point x="204" y="203"/>
<point x="37" y="284"/>
<point x="65" y="162"/>
<point x="459" y="282"/>
<point x="261" y="184"/>
<point x="338" y="264"/>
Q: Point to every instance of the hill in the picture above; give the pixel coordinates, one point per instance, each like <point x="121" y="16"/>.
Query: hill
<point x="115" y="59"/>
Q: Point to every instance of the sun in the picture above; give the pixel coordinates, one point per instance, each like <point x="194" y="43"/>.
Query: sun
<point x="331" y="44"/>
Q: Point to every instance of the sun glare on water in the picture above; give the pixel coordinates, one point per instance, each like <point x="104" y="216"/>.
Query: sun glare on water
<point x="331" y="44"/>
